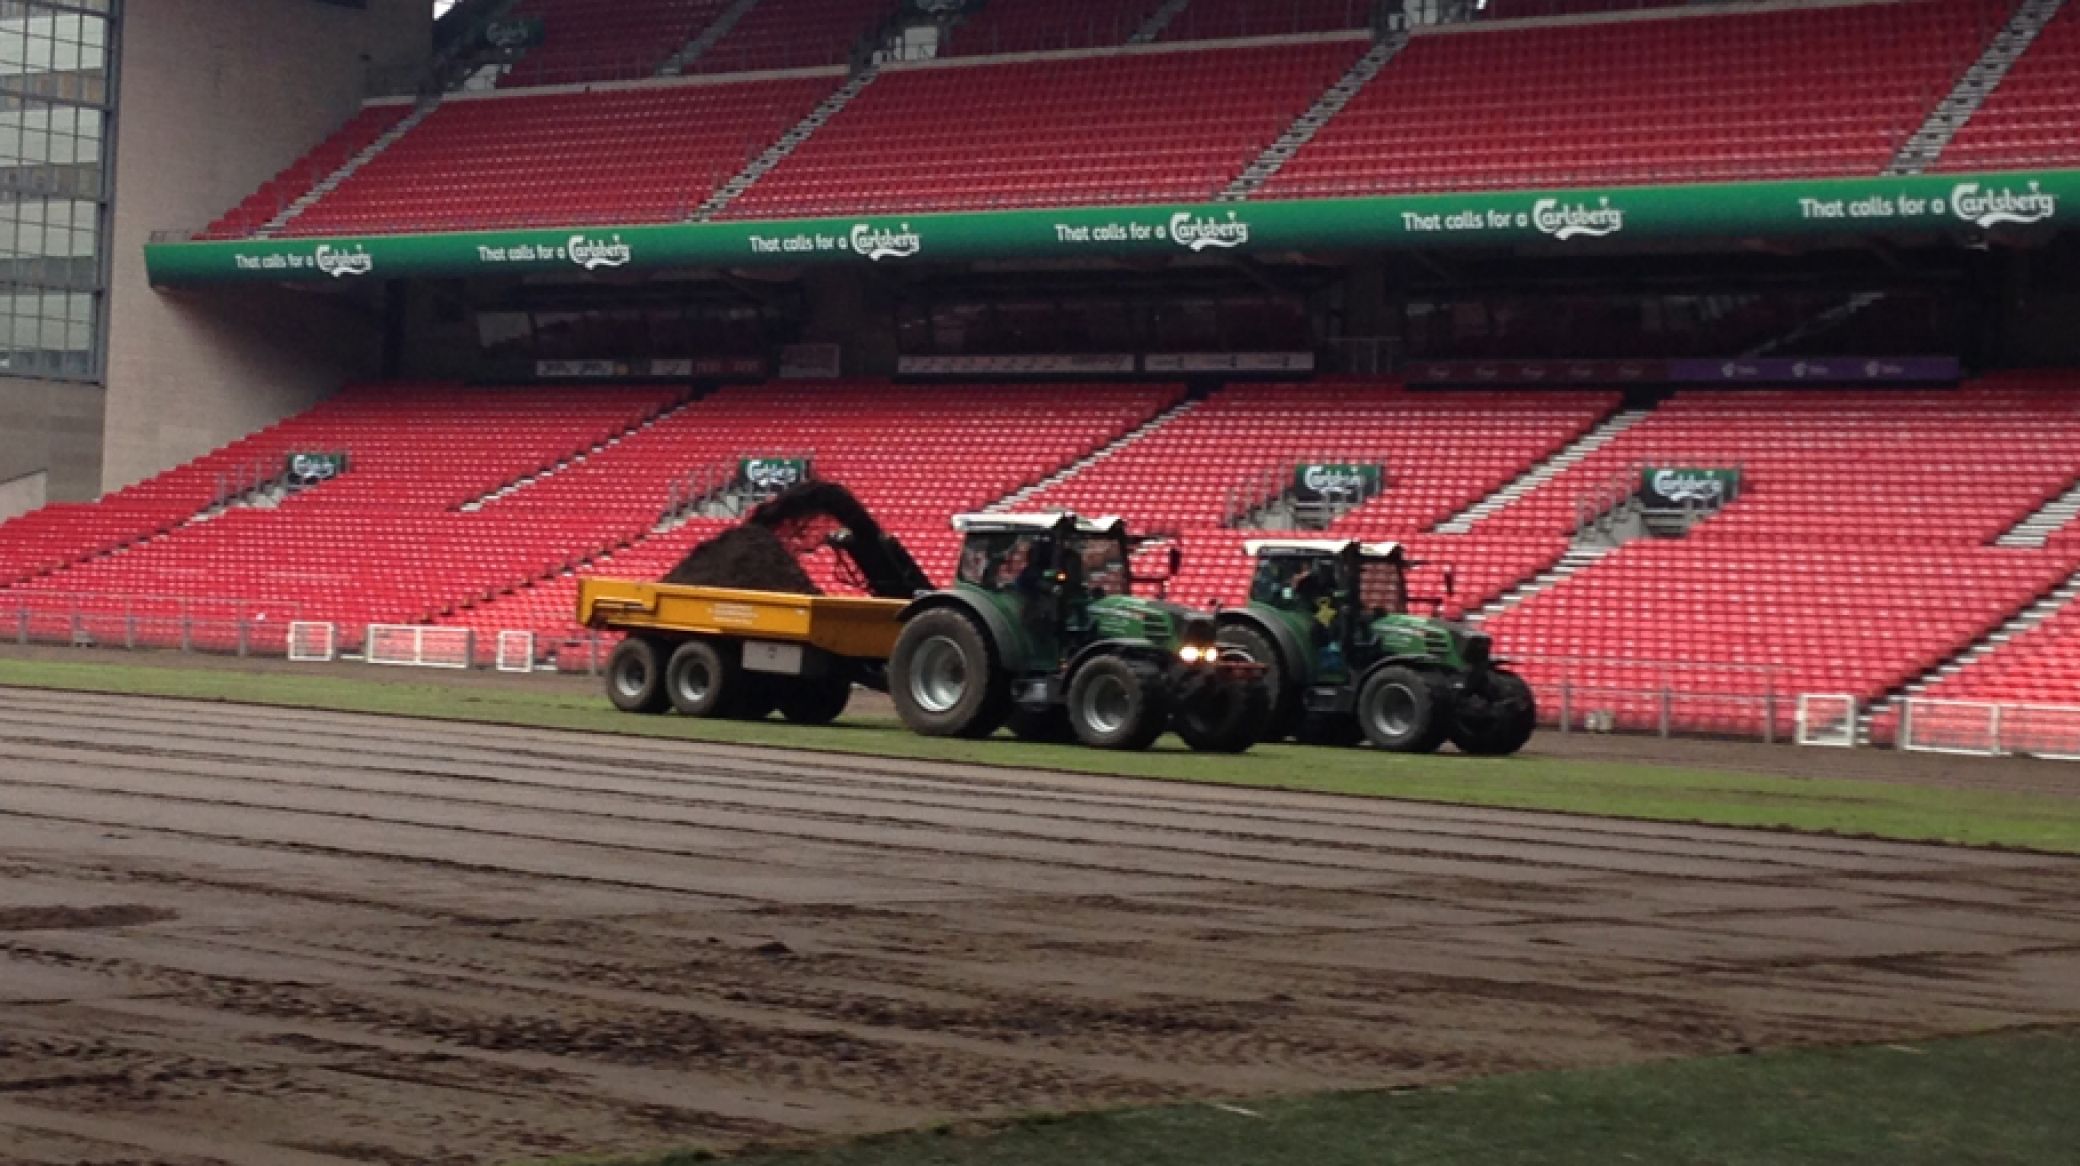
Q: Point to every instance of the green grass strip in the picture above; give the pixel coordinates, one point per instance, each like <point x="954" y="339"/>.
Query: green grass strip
<point x="1646" y="792"/>
<point x="1975" y="1101"/>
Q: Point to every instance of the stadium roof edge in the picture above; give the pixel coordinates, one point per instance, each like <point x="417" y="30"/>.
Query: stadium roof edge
<point x="1644" y="15"/>
<point x="1157" y="48"/>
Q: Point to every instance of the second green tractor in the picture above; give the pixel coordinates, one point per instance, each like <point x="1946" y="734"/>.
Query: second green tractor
<point x="1349" y="662"/>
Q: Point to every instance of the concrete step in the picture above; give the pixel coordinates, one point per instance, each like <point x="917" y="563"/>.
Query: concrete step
<point x="1925" y="147"/>
<point x="1017" y="498"/>
<point x="1303" y="129"/>
<point x="1544" y="472"/>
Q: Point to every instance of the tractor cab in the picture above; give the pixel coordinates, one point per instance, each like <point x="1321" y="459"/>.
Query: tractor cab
<point x="1045" y="569"/>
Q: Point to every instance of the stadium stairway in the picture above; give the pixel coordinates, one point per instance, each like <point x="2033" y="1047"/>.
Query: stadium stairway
<point x="2047" y="523"/>
<point x="787" y="143"/>
<point x="1307" y="125"/>
<point x="1152" y="29"/>
<point x="1605" y="432"/>
<point x="2027" y="122"/>
<point x="347" y="169"/>
<point x="1991" y="666"/>
<point x="725" y="23"/>
<point x="1978" y="83"/>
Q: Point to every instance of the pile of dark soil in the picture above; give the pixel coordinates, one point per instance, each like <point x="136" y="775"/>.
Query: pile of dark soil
<point x="748" y="558"/>
<point x="764" y="554"/>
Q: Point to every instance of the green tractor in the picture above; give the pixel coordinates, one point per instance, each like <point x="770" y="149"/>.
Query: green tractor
<point x="1350" y="663"/>
<point x="1042" y="632"/>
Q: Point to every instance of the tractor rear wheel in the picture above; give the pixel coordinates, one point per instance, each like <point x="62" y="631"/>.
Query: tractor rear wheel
<point x="1049" y="726"/>
<point x="702" y="679"/>
<point x="1403" y="711"/>
<point x="816" y="702"/>
<point x="635" y="677"/>
<point x="945" y="680"/>
<point x="1497" y="722"/>
<point x="1284" y="717"/>
<point x="1117" y="703"/>
<point x="1225" y="716"/>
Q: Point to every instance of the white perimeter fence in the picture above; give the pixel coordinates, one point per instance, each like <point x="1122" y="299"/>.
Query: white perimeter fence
<point x="1984" y="729"/>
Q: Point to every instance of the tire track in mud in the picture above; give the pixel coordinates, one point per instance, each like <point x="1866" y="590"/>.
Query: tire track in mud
<point x="740" y="767"/>
<point x="453" y="944"/>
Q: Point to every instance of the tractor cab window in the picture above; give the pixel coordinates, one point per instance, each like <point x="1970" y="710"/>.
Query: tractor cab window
<point x="1011" y="560"/>
<point x="1295" y="583"/>
<point x="1383" y="586"/>
<point x="1103" y="563"/>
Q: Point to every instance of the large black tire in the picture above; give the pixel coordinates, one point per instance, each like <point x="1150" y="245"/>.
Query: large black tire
<point x="1402" y="710"/>
<point x="1048" y="726"/>
<point x="1117" y="703"/>
<point x="1224" y="716"/>
<point x="945" y="679"/>
<point x="1282" y="689"/>
<point x="815" y="702"/>
<point x="755" y="696"/>
<point x="1329" y="730"/>
<point x="703" y="679"/>
<point x="1497" y="722"/>
<point x="635" y="677"/>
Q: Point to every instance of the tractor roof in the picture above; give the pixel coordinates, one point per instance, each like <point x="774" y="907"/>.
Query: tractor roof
<point x="971" y="523"/>
<point x="1258" y="548"/>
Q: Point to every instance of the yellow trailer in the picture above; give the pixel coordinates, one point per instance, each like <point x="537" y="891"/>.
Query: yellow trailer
<point x="714" y="651"/>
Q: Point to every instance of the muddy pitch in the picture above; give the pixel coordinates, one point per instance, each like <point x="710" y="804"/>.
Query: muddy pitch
<point x="246" y="936"/>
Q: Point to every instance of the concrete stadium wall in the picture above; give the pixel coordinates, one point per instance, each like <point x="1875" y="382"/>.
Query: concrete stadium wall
<point x="217" y="97"/>
<point x="52" y="450"/>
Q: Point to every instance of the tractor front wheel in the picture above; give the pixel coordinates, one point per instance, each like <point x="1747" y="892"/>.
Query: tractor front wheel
<point x="1498" y="721"/>
<point x="1116" y="703"/>
<point x="635" y="677"/>
<point x="1285" y="713"/>
<point x="944" y="678"/>
<point x="1403" y="711"/>
<point x="1225" y="716"/>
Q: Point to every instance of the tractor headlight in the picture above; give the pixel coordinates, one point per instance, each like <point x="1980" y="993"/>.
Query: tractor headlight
<point x="1194" y="654"/>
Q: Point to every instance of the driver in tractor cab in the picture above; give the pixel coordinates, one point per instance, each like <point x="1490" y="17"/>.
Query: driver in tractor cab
<point x="1319" y="593"/>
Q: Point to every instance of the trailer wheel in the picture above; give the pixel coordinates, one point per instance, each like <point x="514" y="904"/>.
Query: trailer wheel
<point x="945" y="680"/>
<point x="1116" y="703"/>
<point x="1049" y="726"/>
<point x="635" y="677"/>
<point x="816" y="702"/>
<point x="1403" y="711"/>
<point x="1225" y="717"/>
<point x="1285" y="715"/>
<point x="702" y="679"/>
<point x="1497" y="722"/>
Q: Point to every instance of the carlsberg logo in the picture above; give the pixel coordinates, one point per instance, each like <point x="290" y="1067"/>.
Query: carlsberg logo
<point x="1991" y="208"/>
<point x="879" y="243"/>
<point x="1190" y="231"/>
<point x="341" y="264"/>
<point x="1679" y="487"/>
<point x="591" y="254"/>
<point x="772" y="475"/>
<point x="1333" y="480"/>
<point x="1564" y="221"/>
<point x="314" y="468"/>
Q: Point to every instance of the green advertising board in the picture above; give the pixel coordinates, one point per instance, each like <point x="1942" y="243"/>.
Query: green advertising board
<point x="514" y="32"/>
<point x="1684" y="488"/>
<point x="1336" y="482"/>
<point x="770" y="475"/>
<point x="1573" y="220"/>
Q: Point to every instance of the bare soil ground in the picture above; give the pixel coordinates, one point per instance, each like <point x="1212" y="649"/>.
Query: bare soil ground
<point x="249" y="936"/>
<point x="1999" y="774"/>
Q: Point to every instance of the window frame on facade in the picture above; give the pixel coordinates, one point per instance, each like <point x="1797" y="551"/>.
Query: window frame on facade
<point x="58" y="100"/>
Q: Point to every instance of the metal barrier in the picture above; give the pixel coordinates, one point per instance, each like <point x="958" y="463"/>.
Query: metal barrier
<point x="243" y="627"/>
<point x="418" y="647"/>
<point x="1988" y="729"/>
<point x="1828" y="720"/>
<point x="1663" y="698"/>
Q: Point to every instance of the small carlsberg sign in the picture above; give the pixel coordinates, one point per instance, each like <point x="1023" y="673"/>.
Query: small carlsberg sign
<point x="1343" y="482"/>
<point x="1663" y="488"/>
